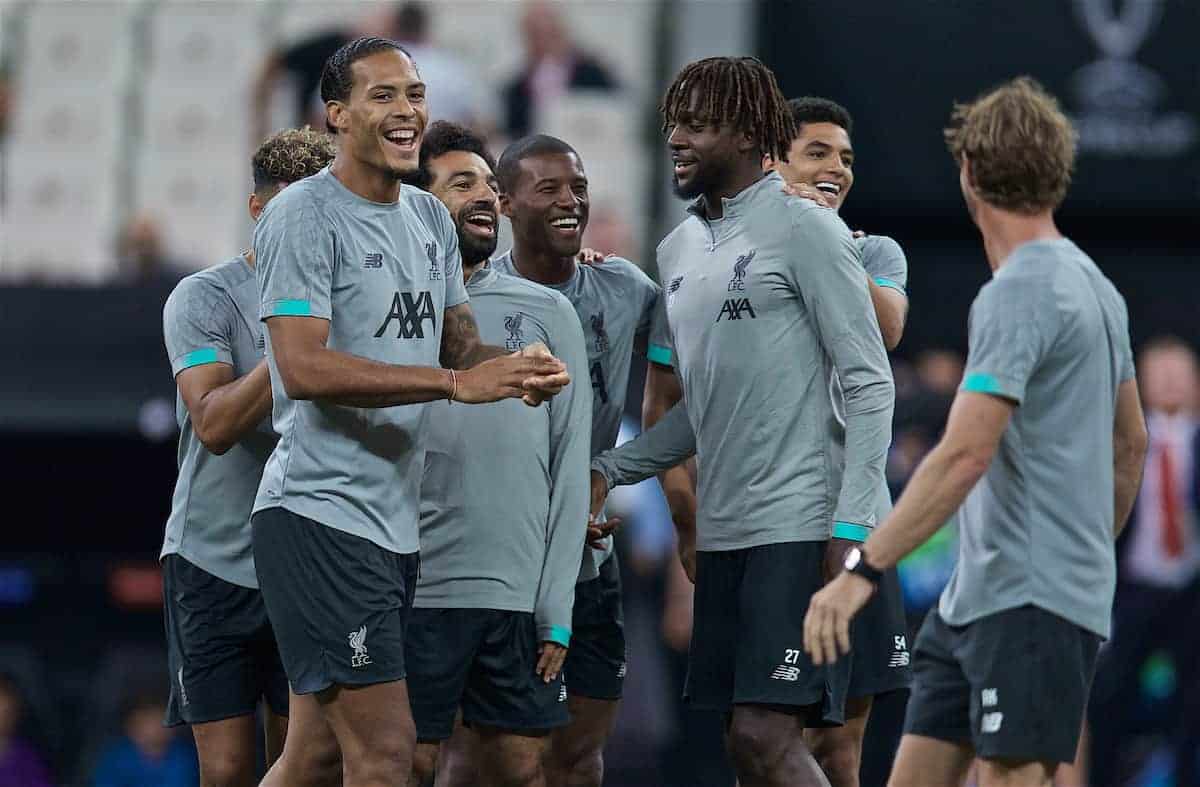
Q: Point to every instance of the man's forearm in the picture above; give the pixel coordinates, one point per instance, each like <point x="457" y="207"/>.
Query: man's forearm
<point x="889" y="311"/>
<point x="666" y="444"/>
<point x="231" y="411"/>
<point x="1127" y="479"/>
<point x="681" y="499"/>
<point x="936" y="490"/>
<point x="341" y="378"/>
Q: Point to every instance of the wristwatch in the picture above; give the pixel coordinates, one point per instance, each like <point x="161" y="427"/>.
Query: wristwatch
<point x="856" y="563"/>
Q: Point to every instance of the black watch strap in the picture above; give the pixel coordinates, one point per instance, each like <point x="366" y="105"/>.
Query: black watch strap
<point x="859" y="566"/>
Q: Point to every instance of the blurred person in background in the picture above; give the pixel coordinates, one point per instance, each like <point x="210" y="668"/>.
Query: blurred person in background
<point x="20" y="763"/>
<point x="221" y="649"/>
<point x="147" y="754"/>
<point x="408" y="24"/>
<point x="142" y="256"/>
<point x="554" y="65"/>
<point x="1158" y="594"/>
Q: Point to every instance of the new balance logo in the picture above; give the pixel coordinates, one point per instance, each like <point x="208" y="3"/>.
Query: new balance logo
<point x="900" y="657"/>
<point x="373" y="260"/>
<point x="621" y="672"/>
<point x="991" y="722"/>
<point x="358" y="644"/>
<point x="435" y="273"/>
<point x="673" y="288"/>
<point x="562" y="693"/>
<point x="512" y="324"/>
<point x="183" y="697"/>
<point x="784" y="672"/>
<point x="989" y="698"/>
<point x="737" y="283"/>
<point x="735" y="308"/>
<point x="411" y="311"/>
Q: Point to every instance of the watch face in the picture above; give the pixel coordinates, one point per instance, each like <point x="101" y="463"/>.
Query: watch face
<point x="853" y="557"/>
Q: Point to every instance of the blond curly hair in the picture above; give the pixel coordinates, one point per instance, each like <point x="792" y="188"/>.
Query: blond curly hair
<point x="1019" y="145"/>
<point x="291" y="155"/>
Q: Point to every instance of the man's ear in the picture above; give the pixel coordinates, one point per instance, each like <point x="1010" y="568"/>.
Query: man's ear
<point x="337" y="115"/>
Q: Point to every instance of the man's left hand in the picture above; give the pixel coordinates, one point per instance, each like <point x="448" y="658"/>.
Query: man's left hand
<point x="551" y="656"/>
<point x="827" y="624"/>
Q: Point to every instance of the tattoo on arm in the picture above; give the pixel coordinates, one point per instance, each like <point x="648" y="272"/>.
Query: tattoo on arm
<point x="461" y="346"/>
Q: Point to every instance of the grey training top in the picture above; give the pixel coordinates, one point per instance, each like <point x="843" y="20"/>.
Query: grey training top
<point x="763" y="305"/>
<point x="383" y="275"/>
<point x="1051" y="333"/>
<point x="615" y="301"/>
<point x="212" y="317"/>
<point x="506" y="491"/>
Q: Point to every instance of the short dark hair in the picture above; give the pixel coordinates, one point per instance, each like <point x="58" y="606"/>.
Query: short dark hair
<point x="814" y="109"/>
<point x="740" y="91"/>
<point x="337" y="78"/>
<point x="291" y="155"/>
<point x="509" y="169"/>
<point x="445" y="137"/>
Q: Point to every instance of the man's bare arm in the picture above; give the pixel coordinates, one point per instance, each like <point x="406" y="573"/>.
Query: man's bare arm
<point x="891" y="309"/>
<point x="662" y="393"/>
<point x="224" y="409"/>
<point x="310" y="370"/>
<point x="944" y="478"/>
<point x="1130" y="442"/>
<point x="462" y="347"/>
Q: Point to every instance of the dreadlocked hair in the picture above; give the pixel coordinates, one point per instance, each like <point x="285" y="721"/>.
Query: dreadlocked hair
<point x="337" y="78"/>
<point x="290" y="156"/>
<point x="740" y="91"/>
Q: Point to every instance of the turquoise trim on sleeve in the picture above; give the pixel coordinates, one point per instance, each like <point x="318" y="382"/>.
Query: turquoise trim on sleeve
<point x="850" y="532"/>
<point x="199" y="358"/>
<point x="560" y="635"/>
<point x="292" y="309"/>
<point x="882" y="282"/>
<point x="982" y="383"/>
<point x="659" y="354"/>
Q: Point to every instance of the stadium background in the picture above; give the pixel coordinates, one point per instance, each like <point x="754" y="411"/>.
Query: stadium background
<point x="125" y="134"/>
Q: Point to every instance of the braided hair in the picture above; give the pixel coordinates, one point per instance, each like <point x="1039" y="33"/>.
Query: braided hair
<point x="337" y="78"/>
<point x="740" y="91"/>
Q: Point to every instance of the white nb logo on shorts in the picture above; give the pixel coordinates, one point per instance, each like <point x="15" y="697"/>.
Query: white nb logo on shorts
<point x="784" y="672"/>
<point x="991" y="722"/>
<point x="358" y="643"/>
<point x="990" y="698"/>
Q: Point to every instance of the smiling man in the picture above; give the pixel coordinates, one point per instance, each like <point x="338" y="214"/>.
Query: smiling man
<point x="765" y="300"/>
<point x="503" y="504"/>
<point x="361" y="290"/>
<point x="544" y="193"/>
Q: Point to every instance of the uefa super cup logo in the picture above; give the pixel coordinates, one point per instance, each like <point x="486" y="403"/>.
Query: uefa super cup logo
<point x="1119" y="98"/>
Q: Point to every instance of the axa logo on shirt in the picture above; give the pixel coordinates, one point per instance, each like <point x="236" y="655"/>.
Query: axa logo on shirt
<point x="736" y="309"/>
<point x="410" y="311"/>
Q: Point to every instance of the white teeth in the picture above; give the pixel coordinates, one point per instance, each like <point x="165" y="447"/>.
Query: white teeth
<point x="402" y="135"/>
<point x="483" y="218"/>
<point x="566" y="223"/>
<point x="832" y="188"/>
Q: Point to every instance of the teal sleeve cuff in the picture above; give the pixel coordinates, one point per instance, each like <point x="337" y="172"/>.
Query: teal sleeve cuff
<point x="199" y="358"/>
<point x="882" y="282"/>
<point x="982" y="383"/>
<point x="850" y="532"/>
<point x="656" y="353"/>
<point x="291" y="309"/>
<point x="559" y="635"/>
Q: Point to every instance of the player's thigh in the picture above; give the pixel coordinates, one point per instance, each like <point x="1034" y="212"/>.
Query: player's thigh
<point x="338" y="604"/>
<point x="311" y="756"/>
<point x="591" y="724"/>
<point x="440" y="647"/>
<point x="458" y="759"/>
<point x="371" y="721"/>
<point x="1030" y="673"/>
<point x="1003" y="773"/>
<point x="211" y="631"/>
<point x="929" y="762"/>
<point x="510" y="757"/>
<point x="504" y="691"/>
<point x="771" y="667"/>
<point x="841" y="747"/>
<point x="595" y="665"/>
<point x="275" y="729"/>
<point x="227" y="750"/>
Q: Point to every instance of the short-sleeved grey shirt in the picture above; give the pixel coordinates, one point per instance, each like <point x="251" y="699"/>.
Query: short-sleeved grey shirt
<point x="1051" y="333"/>
<point x="212" y="317"/>
<point x="383" y="275"/>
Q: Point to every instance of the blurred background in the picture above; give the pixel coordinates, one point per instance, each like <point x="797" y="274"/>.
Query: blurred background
<point x="126" y="130"/>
